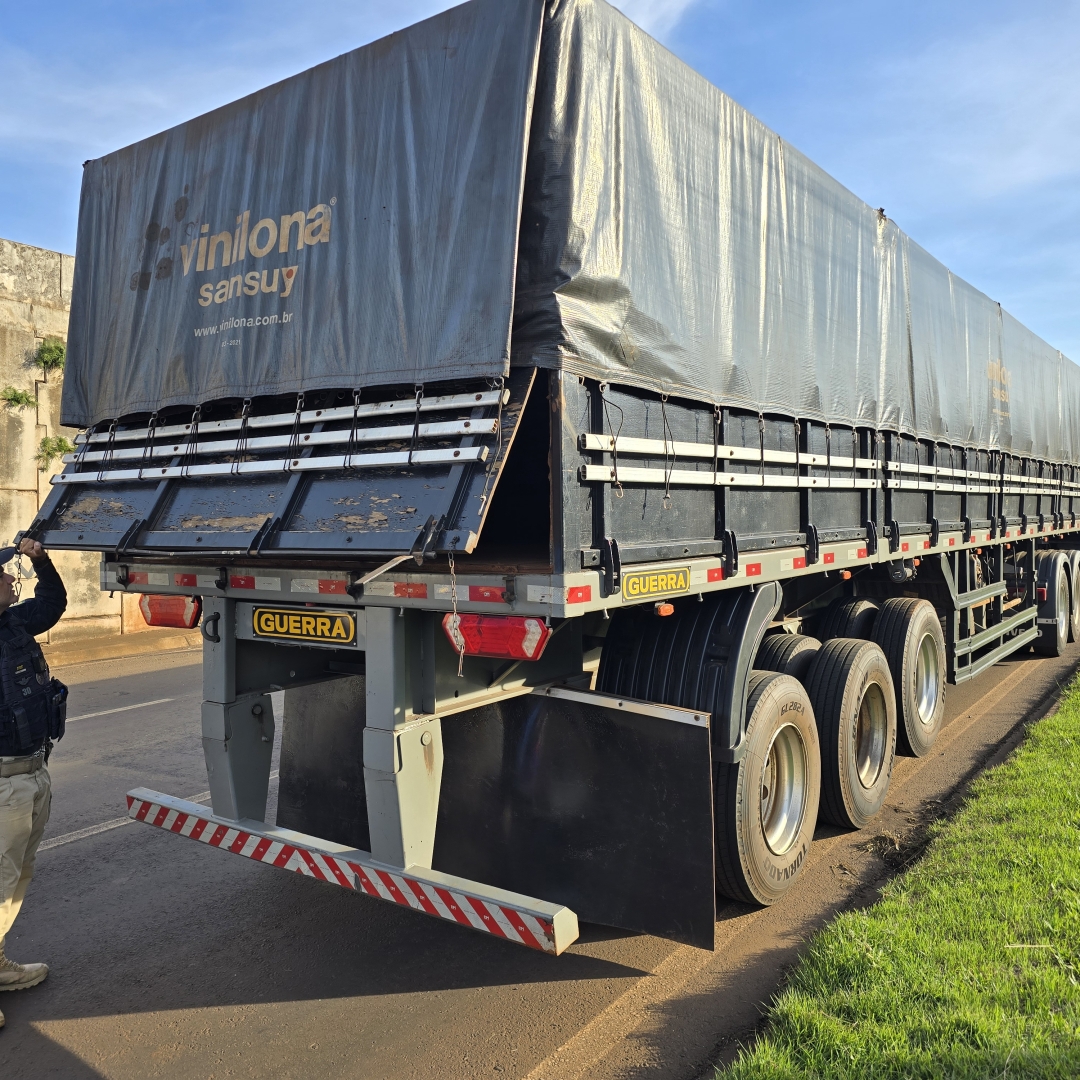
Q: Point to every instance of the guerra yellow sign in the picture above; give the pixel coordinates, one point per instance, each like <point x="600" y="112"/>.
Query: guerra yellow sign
<point x="288" y="624"/>
<point x="642" y="583"/>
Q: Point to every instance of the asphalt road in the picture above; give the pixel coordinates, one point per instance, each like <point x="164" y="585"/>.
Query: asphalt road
<point x="174" y="960"/>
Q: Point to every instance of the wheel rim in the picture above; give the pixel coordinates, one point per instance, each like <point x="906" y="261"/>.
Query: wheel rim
<point x="927" y="679"/>
<point x="1063" y="605"/>
<point x="783" y="790"/>
<point x="870" y="730"/>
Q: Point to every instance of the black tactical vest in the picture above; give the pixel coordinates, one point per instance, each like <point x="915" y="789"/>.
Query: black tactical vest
<point x="34" y="705"/>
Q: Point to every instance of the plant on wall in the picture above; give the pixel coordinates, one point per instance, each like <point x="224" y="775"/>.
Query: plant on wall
<point x="50" y="448"/>
<point x="17" y="399"/>
<point x="49" y="355"/>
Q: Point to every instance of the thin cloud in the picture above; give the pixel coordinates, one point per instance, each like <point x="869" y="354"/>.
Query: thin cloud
<point x="656" y="17"/>
<point x="995" y="112"/>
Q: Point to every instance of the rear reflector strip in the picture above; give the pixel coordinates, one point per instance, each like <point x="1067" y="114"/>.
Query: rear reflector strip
<point x="520" y="919"/>
<point x="580" y="594"/>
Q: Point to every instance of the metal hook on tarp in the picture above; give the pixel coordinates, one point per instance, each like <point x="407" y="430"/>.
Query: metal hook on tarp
<point x="761" y="446"/>
<point x="148" y="447"/>
<point x="241" y="439"/>
<point x="419" y="391"/>
<point x="668" y="467"/>
<point x="616" y="486"/>
<point x="716" y="444"/>
<point x="109" y="449"/>
<point x="191" y="449"/>
<point x="353" y="430"/>
<point x="294" y="437"/>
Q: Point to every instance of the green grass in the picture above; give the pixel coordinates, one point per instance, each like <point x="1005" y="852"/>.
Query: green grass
<point x="969" y="965"/>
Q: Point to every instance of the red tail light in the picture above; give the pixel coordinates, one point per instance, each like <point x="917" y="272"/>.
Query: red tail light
<point x="181" y="611"/>
<point x="514" y="637"/>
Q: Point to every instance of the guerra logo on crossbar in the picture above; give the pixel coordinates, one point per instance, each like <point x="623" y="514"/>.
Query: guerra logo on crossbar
<point x="656" y="582"/>
<point x="331" y="627"/>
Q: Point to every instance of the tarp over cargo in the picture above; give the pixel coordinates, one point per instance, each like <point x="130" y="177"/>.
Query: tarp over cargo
<point x="350" y="226"/>
<point x="667" y="240"/>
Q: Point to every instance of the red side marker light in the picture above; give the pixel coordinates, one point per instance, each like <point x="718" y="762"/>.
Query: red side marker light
<point x="513" y="637"/>
<point x="1041" y="592"/>
<point x="181" y="611"/>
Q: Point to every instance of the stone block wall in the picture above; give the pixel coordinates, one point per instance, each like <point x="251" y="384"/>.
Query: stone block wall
<point x="35" y="299"/>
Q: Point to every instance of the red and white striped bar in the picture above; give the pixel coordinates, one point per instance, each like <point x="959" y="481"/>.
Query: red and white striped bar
<point x="521" y="919"/>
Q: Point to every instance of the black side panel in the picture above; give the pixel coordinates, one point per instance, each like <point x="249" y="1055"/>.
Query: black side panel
<point x="605" y="811"/>
<point x="322" y="762"/>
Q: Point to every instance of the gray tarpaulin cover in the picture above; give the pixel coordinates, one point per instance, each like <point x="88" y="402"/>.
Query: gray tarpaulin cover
<point x="667" y="240"/>
<point x="353" y="225"/>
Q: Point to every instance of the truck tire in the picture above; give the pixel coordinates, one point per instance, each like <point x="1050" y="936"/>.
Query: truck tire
<point x="909" y="633"/>
<point x="790" y="654"/>
<point x="767" y="803"/>
<point x="851" y="689"/>
<point x="1055" y="610"/>
<point x="1073" y="557"/>
<point x="849" y="617"/>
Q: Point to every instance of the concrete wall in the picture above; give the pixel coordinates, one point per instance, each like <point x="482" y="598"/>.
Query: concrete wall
<point x="35" y="299"/>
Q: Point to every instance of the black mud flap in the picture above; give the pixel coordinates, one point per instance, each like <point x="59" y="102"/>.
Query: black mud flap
<point x="358" y="478"/>
<point x="599" y="803"/>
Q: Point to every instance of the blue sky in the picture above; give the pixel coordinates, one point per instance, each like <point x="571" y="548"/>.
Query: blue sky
<point x="961" y="119"/>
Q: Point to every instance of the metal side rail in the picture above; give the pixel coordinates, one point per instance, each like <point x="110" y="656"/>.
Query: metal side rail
<point x="521" y="919"/>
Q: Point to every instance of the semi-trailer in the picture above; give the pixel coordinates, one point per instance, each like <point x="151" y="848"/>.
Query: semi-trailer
<point x="611" y="493"/>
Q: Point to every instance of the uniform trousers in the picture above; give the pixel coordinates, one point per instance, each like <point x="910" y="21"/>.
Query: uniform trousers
<point x="24" y="809"/>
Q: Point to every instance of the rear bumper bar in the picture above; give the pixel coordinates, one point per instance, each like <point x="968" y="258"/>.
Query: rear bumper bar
<point x="521" y="919"/>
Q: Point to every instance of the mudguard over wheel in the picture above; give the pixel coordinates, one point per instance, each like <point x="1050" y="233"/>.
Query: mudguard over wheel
<point x="850" y="617"/>
<point x="1052" y="580"/>
<point x="790" y="654"/>
<point x="909" y="633"/>
<point x="767" y="803"/>
<point x="851" y="689"/>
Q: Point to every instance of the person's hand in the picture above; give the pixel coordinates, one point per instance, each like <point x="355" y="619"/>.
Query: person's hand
<point x="33" y="549"/>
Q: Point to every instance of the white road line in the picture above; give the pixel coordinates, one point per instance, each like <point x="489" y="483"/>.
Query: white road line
<point x="105" y="826"/>
<point x="122" y="708"/>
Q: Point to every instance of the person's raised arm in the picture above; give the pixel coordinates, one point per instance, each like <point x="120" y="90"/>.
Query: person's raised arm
<point x="43" y="610"/>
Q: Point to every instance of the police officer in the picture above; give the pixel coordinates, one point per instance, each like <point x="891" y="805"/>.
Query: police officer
<point x="32" y="708"/>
